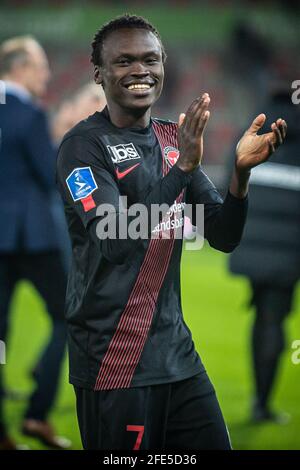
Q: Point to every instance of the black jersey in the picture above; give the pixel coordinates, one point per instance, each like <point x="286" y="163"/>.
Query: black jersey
<point x="123" y="305"/>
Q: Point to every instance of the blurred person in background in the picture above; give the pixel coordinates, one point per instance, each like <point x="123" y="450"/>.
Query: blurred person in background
<point x="86" y="101"/>
<point x="269" y="254"/>
<point x="29" y="246"/>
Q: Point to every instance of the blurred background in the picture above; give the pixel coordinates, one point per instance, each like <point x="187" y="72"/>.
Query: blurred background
<point x="238" y="52"/>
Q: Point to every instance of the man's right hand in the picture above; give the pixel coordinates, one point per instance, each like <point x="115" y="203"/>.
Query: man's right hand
<point x="190" y="133"/>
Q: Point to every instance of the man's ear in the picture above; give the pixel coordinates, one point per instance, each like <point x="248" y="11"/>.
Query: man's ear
<point x="97" y="75"/>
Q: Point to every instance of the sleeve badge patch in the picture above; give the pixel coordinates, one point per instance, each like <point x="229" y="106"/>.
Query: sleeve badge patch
<point x="81" y="183"/>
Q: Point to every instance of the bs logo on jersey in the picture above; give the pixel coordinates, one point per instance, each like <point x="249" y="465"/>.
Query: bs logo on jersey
<point x="171" y="155"/>
<point x="123" y="152"/>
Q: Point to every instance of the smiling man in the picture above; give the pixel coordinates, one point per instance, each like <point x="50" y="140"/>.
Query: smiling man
<point x="138" y="379"/>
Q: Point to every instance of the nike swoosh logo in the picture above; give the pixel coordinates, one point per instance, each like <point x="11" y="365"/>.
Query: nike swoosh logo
<point x="121" y="174"/>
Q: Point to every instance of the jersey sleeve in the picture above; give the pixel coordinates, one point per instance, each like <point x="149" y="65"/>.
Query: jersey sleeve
<point x="223" y="220"/>
<point x="84" y="179"/>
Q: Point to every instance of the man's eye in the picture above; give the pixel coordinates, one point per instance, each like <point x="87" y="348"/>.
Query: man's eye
<point x="123" y="62"/>
<point x="152" y="61"/>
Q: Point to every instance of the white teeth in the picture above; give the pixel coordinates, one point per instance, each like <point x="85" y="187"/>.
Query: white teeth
<point x="139" y="86"/>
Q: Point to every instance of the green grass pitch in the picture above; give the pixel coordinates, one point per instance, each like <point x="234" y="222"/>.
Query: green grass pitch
<point x="215" y="309"/>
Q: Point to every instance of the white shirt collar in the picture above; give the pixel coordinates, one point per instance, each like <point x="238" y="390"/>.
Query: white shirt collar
<point x="13" y="88"/>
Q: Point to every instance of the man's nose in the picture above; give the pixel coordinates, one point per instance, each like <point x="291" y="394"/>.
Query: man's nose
<point x="139" y="69"/>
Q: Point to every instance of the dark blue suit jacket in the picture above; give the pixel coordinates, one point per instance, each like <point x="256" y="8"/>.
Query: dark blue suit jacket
<point x="27" y="178"/>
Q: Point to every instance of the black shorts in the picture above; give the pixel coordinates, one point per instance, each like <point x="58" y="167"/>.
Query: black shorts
<point x="181" y="415"/>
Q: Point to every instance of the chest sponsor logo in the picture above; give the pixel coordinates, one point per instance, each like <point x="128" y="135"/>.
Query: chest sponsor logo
<point x="81" y="183"/>
<point x="123" y="152"/>
<point x="171" y="155"/>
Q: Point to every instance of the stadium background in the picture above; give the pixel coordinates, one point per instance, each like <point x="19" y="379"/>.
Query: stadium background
<point x="237" y="51"/>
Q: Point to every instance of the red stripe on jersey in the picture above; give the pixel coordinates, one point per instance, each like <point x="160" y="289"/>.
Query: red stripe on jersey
<point x="88" y="203"/>
<point x="127" y="344"/>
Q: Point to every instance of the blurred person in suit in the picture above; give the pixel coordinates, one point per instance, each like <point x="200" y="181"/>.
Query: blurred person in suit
<point x="269" y="253"/>
<point x="85" y="101"/>
<point x="29" y="245"/>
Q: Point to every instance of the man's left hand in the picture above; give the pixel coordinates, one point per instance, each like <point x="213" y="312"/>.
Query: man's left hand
<point x="254" y="149"/>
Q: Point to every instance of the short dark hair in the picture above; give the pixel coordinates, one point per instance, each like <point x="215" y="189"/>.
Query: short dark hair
<point x="124" y="21"/>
